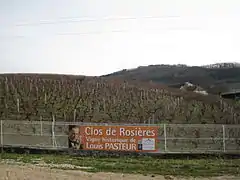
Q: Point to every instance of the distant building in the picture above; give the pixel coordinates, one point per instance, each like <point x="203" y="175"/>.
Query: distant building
<point x="235" y="95"/>
<point x="194" y="88"/>
<point x="187" y="86"/>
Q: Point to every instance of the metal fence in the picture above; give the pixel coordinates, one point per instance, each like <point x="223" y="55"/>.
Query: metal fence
<point x="172" y="138"/>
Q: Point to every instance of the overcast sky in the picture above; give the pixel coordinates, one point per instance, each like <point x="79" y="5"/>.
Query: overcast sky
<point x="99" y="41"/>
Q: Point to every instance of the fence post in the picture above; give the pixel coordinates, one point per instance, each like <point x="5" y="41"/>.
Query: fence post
<point x="165" y="137"/>
<point x="224" y="138"/>
<point x="53" y="132"/>
<point x="1" y="136"/>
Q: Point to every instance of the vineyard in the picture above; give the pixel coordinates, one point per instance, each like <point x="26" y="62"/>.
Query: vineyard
<point x="92" y="99"/>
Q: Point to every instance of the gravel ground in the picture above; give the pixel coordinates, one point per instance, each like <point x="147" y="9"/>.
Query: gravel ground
<point x="29" y="172"/>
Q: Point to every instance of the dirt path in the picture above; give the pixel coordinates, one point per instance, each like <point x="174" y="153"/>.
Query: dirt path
<point x="29" y="172"/>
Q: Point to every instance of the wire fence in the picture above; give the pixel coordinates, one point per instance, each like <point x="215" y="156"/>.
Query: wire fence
<point x="171" y="138"/>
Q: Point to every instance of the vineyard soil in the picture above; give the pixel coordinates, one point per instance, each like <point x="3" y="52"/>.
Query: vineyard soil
<point x="14" y="172"/>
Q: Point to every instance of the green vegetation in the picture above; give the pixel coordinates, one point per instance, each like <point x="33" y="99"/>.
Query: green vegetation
<point x="78" y="98"/>
<point x="145" y="165"/>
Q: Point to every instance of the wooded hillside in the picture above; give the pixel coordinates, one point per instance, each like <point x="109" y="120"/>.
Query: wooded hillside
<point x="214" y="78"/>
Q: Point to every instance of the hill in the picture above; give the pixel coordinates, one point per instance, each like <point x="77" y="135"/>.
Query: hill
<point x="96" y="99"/>
<point x="215" y="78"/>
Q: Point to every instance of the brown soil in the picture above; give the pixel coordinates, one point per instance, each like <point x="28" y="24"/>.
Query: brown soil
<point x="29" y="172"/>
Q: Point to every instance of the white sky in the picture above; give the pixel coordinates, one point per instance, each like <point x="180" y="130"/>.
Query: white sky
<point x="193" y="32"/>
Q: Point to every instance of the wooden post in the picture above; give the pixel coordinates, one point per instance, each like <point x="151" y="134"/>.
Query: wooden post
<point x="36" y="91"/>
<point x="18" y="108"/>
<point x="1" y="123"/>
<point x="224" y="136"/>
<point x="79" y="92"/>
<point x="104" y="105"/>
<point x="73" y="91"/>
<point x="59" y="85"/>
<point x="6" y="84"/>
<point x="30" y="86"/>
<point x="45" y="98"/>
<point x="64" y="116"/>
<point x="7" y="90"/>
<point x="74" y="115"/>
<point x="153" y="119"/>
<point x="41" y="128"/>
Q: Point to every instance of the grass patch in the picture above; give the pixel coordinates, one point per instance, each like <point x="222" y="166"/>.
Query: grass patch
<point x="144" y="165"/>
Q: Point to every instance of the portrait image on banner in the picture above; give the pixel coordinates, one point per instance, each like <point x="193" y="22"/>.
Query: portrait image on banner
<point x="74" y="137"/>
